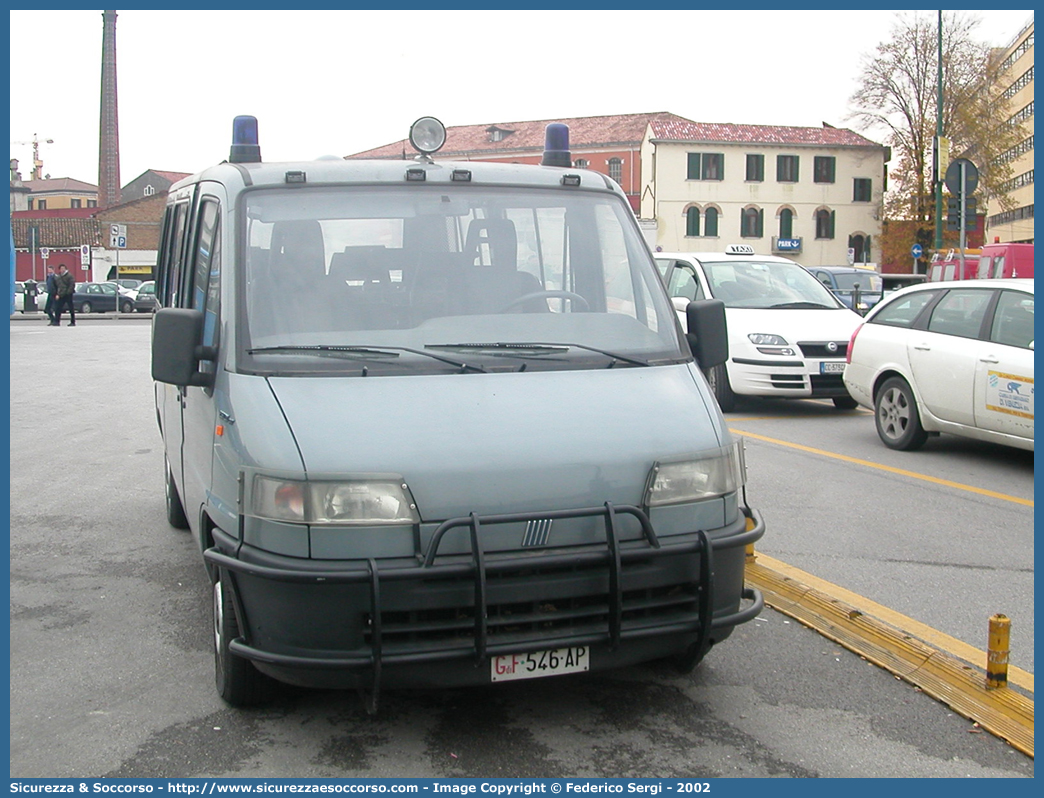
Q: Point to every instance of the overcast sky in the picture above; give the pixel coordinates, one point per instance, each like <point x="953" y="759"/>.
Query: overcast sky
<point x="339" y="82"/>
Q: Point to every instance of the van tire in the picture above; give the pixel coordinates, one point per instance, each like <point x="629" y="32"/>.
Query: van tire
<point x="896" y="415"/>
<point x="718" y="378"/>
<point x="845" y="403"/>
<point x="175" y="509"/>
<point x="237" y="681"/>
<point x="687" y="661"/>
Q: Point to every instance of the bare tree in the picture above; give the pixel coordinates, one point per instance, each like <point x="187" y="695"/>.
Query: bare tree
<point x="897" y="98"/>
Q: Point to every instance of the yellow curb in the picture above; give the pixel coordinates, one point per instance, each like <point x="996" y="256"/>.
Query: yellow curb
<point x="1003" y="712"/>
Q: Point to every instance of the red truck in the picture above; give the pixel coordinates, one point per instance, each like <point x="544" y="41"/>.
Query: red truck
<point x="993" y="260"/>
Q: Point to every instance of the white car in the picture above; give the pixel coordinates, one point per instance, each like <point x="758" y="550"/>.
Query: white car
<point x="952" y="357"/>
<point x="788" y="333"/>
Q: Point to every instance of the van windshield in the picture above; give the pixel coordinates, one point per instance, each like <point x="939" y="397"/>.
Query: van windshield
<point x="400" y="280"/>
<point x="766" y="284"/>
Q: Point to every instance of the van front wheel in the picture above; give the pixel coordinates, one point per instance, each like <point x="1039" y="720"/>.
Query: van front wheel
<point x="175" y="509"/>
<point x="237" y="680"/>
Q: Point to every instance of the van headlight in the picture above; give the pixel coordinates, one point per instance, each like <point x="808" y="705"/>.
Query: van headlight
<point x="355" y="502"/>
<point x="707" y="475"/>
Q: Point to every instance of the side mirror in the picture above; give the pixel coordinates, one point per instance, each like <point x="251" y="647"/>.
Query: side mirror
<point x="708" y="333"/>
<point x="176" y="350"/>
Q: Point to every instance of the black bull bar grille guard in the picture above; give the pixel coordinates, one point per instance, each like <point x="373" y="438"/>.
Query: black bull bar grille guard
<point x="478" y="568"/>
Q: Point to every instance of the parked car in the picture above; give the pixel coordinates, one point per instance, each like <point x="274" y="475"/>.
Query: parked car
<point x="129" y="293"/>
<point x="858" y="289"/>
<point x="99" y="298"/>
<point x="39" y="297"/>
<point x="893" y="282"/>
<point x="787" y="332"/>
<point x="948" y="357"/>
<point x="145" y="301"/>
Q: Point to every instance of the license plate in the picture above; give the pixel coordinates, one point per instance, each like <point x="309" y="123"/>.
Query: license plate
<point x="832" y="368"/>
<point x="536" y="664"/>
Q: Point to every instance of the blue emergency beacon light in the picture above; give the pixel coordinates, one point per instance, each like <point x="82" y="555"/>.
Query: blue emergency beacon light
<point x="245" y="148"/>
<point x="556" y="146"/>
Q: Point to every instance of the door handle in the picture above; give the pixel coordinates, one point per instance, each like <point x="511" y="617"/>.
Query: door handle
<point x="994" y="360"/>
<point x="923" y="348"/>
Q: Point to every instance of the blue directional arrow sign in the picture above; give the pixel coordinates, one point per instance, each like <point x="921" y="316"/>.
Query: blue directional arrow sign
<point x="916" y="250"/>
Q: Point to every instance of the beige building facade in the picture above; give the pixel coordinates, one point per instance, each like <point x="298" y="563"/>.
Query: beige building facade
<point x="810" y="194"/>
<point x="1015" y="79"/>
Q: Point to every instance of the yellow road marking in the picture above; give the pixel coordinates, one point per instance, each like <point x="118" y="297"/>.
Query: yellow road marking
<point x="890" y="469"/>
<point x="1004" y="712"/>
<point x="934" y="637"/>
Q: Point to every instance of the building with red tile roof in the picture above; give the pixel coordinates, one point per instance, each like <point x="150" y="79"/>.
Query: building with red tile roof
<point x="816" y="214"/>
<point x="607" y="144"/>
<point x="810" y="193"/>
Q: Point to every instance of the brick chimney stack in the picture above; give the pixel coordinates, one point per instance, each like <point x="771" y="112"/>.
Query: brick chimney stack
<point x="109" y="129"/>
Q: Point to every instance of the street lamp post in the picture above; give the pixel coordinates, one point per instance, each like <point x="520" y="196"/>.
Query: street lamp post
<point x="938" y="147"/>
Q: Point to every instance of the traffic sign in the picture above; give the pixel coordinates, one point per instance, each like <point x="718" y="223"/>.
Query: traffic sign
<point x="916" y="251"/>
<point x="953" y="177"/>
<point x="85" y="255"/>
<point x="45" y="253"/>
<point x="118" y="236"/>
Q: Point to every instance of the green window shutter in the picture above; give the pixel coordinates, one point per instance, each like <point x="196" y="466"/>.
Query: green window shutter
<point x="692" y="222"/>
<point x="711" y="223"/>
<point x="786" y="223"/>
<point x="823" y="168"/>
<point x="713" y="166"/>
<point x="761" y="222"/>
<point x="755" y="168"/>
<point x="833" y="215"/>
<point x="694" y="166"/>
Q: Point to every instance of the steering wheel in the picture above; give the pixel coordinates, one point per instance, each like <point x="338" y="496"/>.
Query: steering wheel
<point x="579" y="301"/>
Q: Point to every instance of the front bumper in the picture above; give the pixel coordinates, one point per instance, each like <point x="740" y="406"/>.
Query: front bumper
<point x="793" y="378"/>
<point x="438" y="619"/>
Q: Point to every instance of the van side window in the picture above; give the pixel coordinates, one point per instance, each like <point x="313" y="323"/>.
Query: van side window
<point x="998" y="266"/>
<point x="170" y="269"/>
<point x="206" y="294"/>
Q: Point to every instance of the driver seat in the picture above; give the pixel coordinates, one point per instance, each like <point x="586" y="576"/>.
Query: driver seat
<point x="492" y="280"/>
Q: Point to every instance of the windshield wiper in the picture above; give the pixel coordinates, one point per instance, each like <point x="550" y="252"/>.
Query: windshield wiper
<point x="800" y="305"/>
<point x="361" y="353"/>
<point x="325" y="351"/>
<point x="535" y="350"/>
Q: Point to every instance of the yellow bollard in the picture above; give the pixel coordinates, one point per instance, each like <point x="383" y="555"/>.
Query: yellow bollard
<point x="997" y="652"/>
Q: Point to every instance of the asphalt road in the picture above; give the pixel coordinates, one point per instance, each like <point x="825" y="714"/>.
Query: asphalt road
<point x="111" y="665"/>
<point x="943" y="535"/>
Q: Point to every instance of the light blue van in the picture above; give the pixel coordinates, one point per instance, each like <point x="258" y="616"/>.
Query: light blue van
<point x="436" y="423"/>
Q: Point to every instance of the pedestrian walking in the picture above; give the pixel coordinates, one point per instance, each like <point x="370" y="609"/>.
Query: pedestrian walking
<point x="64" y="289"/>
<point x="50" y="288"/>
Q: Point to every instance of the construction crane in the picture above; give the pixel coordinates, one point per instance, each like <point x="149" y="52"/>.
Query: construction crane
<point x="37" y="163"/>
